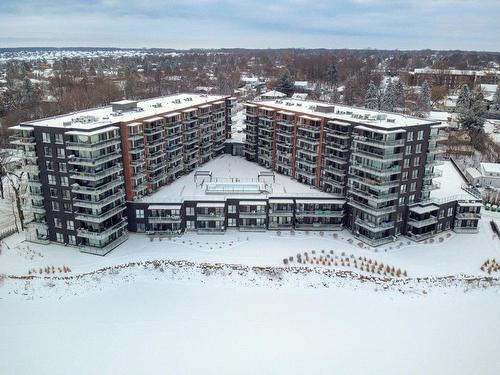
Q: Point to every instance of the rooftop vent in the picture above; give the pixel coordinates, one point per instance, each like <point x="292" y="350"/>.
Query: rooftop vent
<point x="124" y="105"/>
<point x="325" y="108"/>
<point x="157" y="105"/>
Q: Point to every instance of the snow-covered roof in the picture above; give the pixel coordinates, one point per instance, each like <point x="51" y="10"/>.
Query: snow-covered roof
<point x="273" y="94"/>
<point x="232" y="170"/>
<point x="450" y="183"/>
<point x="490" y="168"/>
<point x="341" y="112"/>
<point x="473" y="172"/>
<point x="147" y="108"/>
<point x="456" y="72"/>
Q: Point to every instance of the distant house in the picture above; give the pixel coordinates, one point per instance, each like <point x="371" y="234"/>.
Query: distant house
<point x="300" y="96"/>
<point x="488" y="175"/>
<point x="274" y="94"/>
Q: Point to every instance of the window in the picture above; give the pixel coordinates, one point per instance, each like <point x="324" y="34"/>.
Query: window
<point x="441" y="214"/>
<point x="190" y="224"/>
<point x="67" y="207"/>
<point x="55" y="206"/>
<point x="231" y="222"/>
<point x="70" y="225"/>
<point x="52" y="179"/>
<point x="401" y="201"/>
<point x="402" y="189"/>
<point x="408" y="150"/>
<point x="139" y="214"/>
<point x="63" y="167"/>
<point x="420" y="135"/>
<point x="416" y="162"/>
<point x="447" y="225"/>
<point x="406" y="163"/>
<point x="411" y="198"/>
<point x="45" y="137"/>
<point x="409" y="136"/>
<point x="404" y="176"/>
<point x="400" y="216"/>
<point x="418" y="148"/>
<point x="60" y="237"/>
<point x="54" y="192"/>
<point x="59" y="138"/>
<point x="414" y="174"/>
<point x="413" y="186"/>
<point x="231" y="209"/>
<point x="57" y="222"/>
<point x="72" y="239"/>
<point x="64" y="181"/>
<point x="66" y="194"/>
<point x="61" y="153"/>
<point x="47" y="151"/>
<point x="450" y="211"/>
<point x="190" y="211"/>
<point x="49" y="165"/>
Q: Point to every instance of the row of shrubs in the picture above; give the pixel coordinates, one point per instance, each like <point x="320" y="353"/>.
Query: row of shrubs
<point x="331" y="259"/>
<point x="491" y="265"/>
<point x="49" y="270"/>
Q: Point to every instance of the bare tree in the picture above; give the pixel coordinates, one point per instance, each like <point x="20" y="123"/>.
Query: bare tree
<point x="18" y="189"/>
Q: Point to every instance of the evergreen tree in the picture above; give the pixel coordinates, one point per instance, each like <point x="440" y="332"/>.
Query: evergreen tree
<point x="286" y="83"/>
<point x="495" y="106"/>
<point x="464" y="98"/>
<point x="399" y="94"/>
<point x="331" y="74"/>
<point x="424" y="100"/>
<point x="372" y="97"/>
<point x="389" y="98"/>
<point x="470" y="117"/>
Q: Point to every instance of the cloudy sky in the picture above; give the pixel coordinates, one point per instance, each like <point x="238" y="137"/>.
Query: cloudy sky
<point x="390" y="24"/>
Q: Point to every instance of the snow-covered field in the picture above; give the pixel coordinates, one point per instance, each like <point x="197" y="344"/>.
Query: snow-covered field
<point x="226" y="304"/>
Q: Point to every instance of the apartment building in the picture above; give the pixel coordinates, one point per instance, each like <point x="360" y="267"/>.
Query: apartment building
<point x="452" y="78"/>
<point x="83" y="167"/>
<point x="381" y="163"/>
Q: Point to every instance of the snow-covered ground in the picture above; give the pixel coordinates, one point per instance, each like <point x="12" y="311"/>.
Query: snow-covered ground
<point x="489" y="127"/>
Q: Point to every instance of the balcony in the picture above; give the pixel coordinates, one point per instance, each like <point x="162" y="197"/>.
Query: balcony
<point x="83" y="203"/>
<point x="253" y="228"/>
<point x="465" y="229"/>
<point x="81" y="146"/>
<point x="374" y="241"/>
<point x="373" y="227"/>
<point x="421" y="236"/>
<point x="22" y="141"/>
<point x="88" y="233"/>
<point x="40" y="225"/>
<point x="77" y="189"/>
<point x="379" y="171"/>
<point x="468" y="216"/>
<point x="319" y="213"/>
<point x="220" y="216"/>
<point x="94" y="161"/>
<point x="165" y="219"/>
<point x="386" y="156"/>
<point x="99" y="218"/>
<point x="318" y="226"/>
<point x="375" y="211"/>
<point x="281" y="212"/>
<point x="105" y="249"/>
<point x="95" y="176"/>
<point x="253" y="214"/>
<point x="422" y="223"/>
<point x="384" y="143"/>
<point x="429" y="187"/>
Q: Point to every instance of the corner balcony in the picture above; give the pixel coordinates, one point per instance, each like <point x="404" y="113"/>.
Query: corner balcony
<point x="430" y="187"/>
<point x="99" y="218"/>
<point x="422" y="223"/>
<point x="374" y="241"/>
<point x="40" y="225"/>
<point x="104" y="249"/>
<point x="22" y="141"/>
<point x="379" y="198"/>
<point x="381" y="143"/>
<point x="96" y="235"/>
<point x="77" y="189"/>
<point x="374" y="227"/>
<point x="375" y="211"/>
<point x="94" y="161"/>
<point x="95" y="176"/>
<point x="83" y="203"/>
<point x="81" y="146"/>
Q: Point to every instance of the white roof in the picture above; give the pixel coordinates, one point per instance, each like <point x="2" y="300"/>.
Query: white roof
<point x="94" y="132"/>
<point x="491" y="167"/>
<point x="273" y="94"/>
<point x="320" y="201"/>
<point x="211" y="204"/>
<point x="425" y="209"/>
<point x="473" y="172"/>
<point x="253" y="203"/>
<point x="164" y="207"/>
<point x="282" y="201"/>
<point x="102" y="116"/>
<point x="343" y="113"/>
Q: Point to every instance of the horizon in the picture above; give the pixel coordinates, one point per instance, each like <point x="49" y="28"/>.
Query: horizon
<point x="221" y="24"/>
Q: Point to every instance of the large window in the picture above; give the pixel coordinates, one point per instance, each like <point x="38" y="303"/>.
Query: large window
<point x="46" y="137"/>
<point x="52" y="179"/>
<point x="59" y="138"/>
<point x="190" y="211"/>
<point x="139" y="214"/>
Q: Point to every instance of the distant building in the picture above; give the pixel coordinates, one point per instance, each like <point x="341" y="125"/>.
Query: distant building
<point x="274" y="94"/>
<point x="452" y="78"/>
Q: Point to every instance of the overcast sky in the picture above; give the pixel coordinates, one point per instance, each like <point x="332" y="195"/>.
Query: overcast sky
<point x="383" y="24"/>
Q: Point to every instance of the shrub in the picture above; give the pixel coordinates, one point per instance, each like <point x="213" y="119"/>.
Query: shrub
<point x="285" y="261"/>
